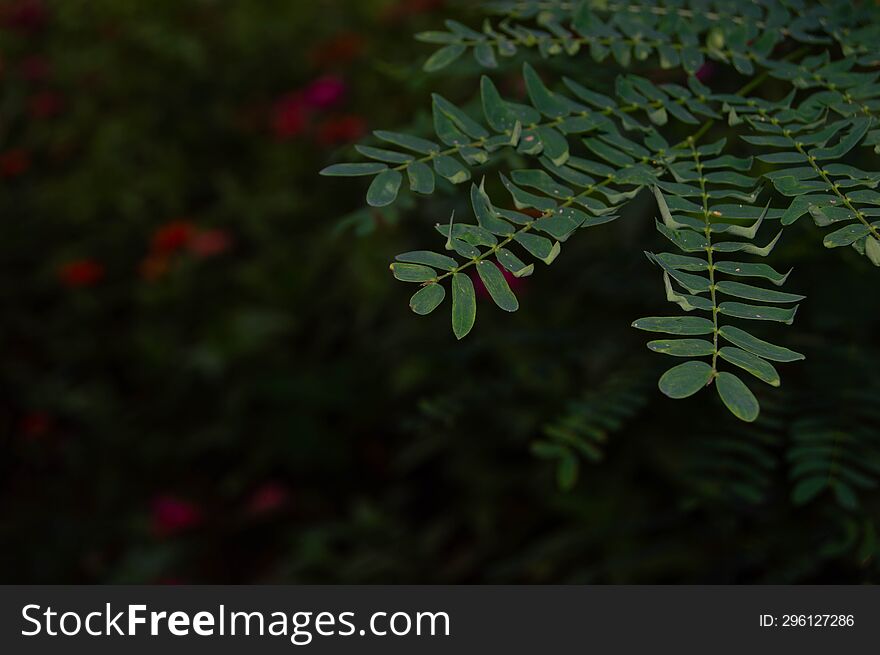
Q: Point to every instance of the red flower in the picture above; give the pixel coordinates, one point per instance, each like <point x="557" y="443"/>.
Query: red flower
<point x="14" y="162"/>
<point x="24" y="15"/>
<point x="324" y="93"/>
<point x="210" y="243"/>
<point x="268" y="498"/>
<point x="171" y="515"/>
<point x="35" y="424"/>
<point x="35" y="68"/>
<point x="45" y="104"/>
<point x="343" y="129"/>
<point x="288" y="117"/>
<point x="80" y="273"/>
<point x="338" y="50"/>
<point x="172" y="236"/>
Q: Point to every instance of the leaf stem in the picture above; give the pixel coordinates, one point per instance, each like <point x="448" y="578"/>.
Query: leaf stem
<point x="708" y="232"/>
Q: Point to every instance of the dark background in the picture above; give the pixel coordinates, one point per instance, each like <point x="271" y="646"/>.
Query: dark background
<point x="209" y="375"/>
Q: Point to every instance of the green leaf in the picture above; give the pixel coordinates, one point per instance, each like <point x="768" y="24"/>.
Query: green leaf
<point x="807" y="489"/>
<point x="444" y="56"/>
<point x="464" y="122"/>
<point x="872" y="250"/>
<point x="783" y="158"/>
<point x="685" y="379"/>
<point x="758" y="312"/>
<point x="737" y="397"/>
<point x="749" y="292"/>
<point x="523" y="199"/>
<point x="513" y="263"/>
<point x="540" y="180"/>
<point x="845" y="495"/>
<point x="545" y="101"/>
<point x="689" y="325"/>
<point x="539" y="247"/>
<point x="757" y="346"/>
<point x="847" y="143"/>
<point x="421" y="178"/>
<point x="353" y="170"/>
<point x="682" y="262"/>
<point x="609" y="154"/>
<point x="668" y="56"/>
<point x="562" y="223"/>
<point x="381" y="154"/>
<point x="751" y="363"/>
<point x="428" y="258"/>
<point x="414" y="143"/>
<point x="452" y="169"/>
<point x="776" y="141"/>
<point x="555" y="145"/>
<point x="693" y="283"/>
<point x="427" y="299"/>
<point x="486" y="215"/>
<point x="691" y="59"/>
<point x="750" y="248"/>
<point x="447" y="131"/>
<point x="413" y="272"/>
<point x="686" y="240"/>
<point x="497" y="286"/>
<point x="485" y="55"/>
<point x="439" y="38"/>
<point x="383" y="190"/>
<point x="472" y="234"/>
<point x="682" y="347"/>
<point x="729" y="161"/>
<point x="846" y="236"/>
<point x="498" y="113"/>
<point x="752" y="270"/>
<point x="464" y="305"/>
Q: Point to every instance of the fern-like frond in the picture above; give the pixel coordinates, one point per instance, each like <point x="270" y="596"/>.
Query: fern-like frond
<point x="585" y="154"/>
<point x="711" y="286"/>
<point x="680" y="33"/>
<point x="552" y="129"/>
<point x="835" y="443"/>
<point x="809" y="145"/>
<point x="735" y="466"/>
<point x="582" y="431"/>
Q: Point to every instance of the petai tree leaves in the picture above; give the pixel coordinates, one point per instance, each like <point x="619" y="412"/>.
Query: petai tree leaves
<point x="583" y="151"/>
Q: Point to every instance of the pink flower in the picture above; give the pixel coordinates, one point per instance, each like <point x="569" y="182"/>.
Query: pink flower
<point x="267" y="498"/>
<point x="171" y="515"/>
<point x="706" y="72"/>
<point x="288" y="117"/>
<point x="325" y="92"/>
<point x="210" y="243"/>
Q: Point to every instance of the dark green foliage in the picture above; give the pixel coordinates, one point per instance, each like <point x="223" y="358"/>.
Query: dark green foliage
<point x="316" y="434"/>
<point x="582" y="432"/>
<point x="588" y="144"/>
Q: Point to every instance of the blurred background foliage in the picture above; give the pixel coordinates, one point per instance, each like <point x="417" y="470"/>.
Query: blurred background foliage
<point x="208" y="374"/>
